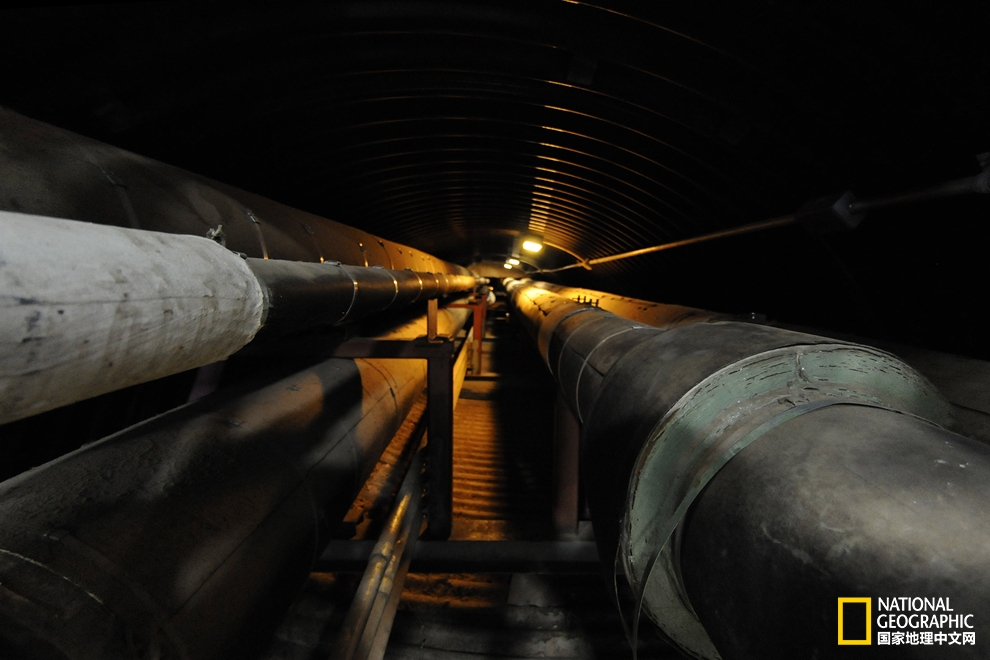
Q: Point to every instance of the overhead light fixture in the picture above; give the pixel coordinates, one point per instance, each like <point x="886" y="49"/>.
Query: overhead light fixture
<point x="531" y="246"/>
<point x="514" y="262"/>
<point x="509" y="266"/>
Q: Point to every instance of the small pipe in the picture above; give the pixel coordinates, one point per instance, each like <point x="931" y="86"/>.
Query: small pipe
<point x="392" y="543"/>
<point x="390" y="588"/>
<point x="384" y="631"/>
<point x="300" y="295"/>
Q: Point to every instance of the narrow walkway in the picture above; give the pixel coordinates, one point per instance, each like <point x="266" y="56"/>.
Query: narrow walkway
<point x="503" y="430"/>
<point x="503" y="424"/>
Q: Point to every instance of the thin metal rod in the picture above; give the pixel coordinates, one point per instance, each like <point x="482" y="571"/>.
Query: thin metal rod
<point x="736" y="231"/>
<point x="972" y="184"/>
<point x="407" y="507"/>
<point x="380" y="642"/>
<point x="391" y="584"/>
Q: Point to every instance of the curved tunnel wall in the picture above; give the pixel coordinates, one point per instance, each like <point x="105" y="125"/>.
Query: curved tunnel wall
<point x="457" y="127"/>
<point x="55" y="173"/>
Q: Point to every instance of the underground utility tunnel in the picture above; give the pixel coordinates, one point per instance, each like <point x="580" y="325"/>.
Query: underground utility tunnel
<point x="554" y="329"/>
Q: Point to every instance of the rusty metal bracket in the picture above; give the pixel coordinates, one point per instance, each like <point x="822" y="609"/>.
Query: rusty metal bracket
<point x="439" y="355"/>
<point x="479" y="314"/>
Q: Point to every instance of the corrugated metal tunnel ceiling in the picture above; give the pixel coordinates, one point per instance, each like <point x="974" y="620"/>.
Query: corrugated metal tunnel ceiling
<point x="458" y="128"/>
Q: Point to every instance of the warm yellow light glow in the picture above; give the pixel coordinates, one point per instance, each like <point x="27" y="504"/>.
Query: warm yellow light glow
<point x="509" y="266"/>
<point x="531" y="246"/>
<point x="514" y="262"/>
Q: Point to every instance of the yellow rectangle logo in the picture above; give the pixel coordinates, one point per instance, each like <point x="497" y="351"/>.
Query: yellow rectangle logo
<point x="854" y="621"/>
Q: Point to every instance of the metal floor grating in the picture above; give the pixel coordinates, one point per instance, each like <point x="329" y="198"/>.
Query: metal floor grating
<point x="503" y="426"/>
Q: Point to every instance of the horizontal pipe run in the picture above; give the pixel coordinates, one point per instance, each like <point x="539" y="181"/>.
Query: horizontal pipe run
<point x="736" y="473"/>
<point x="474" y="556"/>
<point x="87" y="309"/>
<point x="379" y="643"/>
<point x="182" y="537"/>
<point x="303" y="295"/>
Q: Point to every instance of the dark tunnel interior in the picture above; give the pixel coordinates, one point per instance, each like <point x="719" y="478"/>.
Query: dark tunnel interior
<point x="456" y="128"/>
<point x="464" y="129"/>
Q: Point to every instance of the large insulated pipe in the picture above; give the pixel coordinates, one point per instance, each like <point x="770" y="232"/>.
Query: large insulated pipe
<point x="52" y="172"/>
<point x="744" y="478"/>
<point x="87" y="309"/>
<point x="181" y="537"/>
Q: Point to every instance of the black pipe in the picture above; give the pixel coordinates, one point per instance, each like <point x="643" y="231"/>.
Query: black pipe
<point x="670" y="412"/>
<point x="300" y="295"/>
<point x="183" y="536"/>
<point x="844" y="501"/>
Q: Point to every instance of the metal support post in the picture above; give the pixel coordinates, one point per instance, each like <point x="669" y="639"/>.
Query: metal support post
<point x="439" y="356"/>
<point x="480" y="312"/>
<point x="479" y="316"/>
<point x="566" y="440"/>
<point x="431" y="319"/>
<point x="440" y="443"/>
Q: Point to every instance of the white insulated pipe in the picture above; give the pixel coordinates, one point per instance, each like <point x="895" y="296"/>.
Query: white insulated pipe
<point x="87" y="309"/>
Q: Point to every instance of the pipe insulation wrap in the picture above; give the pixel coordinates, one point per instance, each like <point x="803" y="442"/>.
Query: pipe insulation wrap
<point x="87" y="309"/>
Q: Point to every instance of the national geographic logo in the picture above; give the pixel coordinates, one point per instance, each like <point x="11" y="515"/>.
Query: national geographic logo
<point x="903" y="620"/>
<point x="854" y="621"/>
